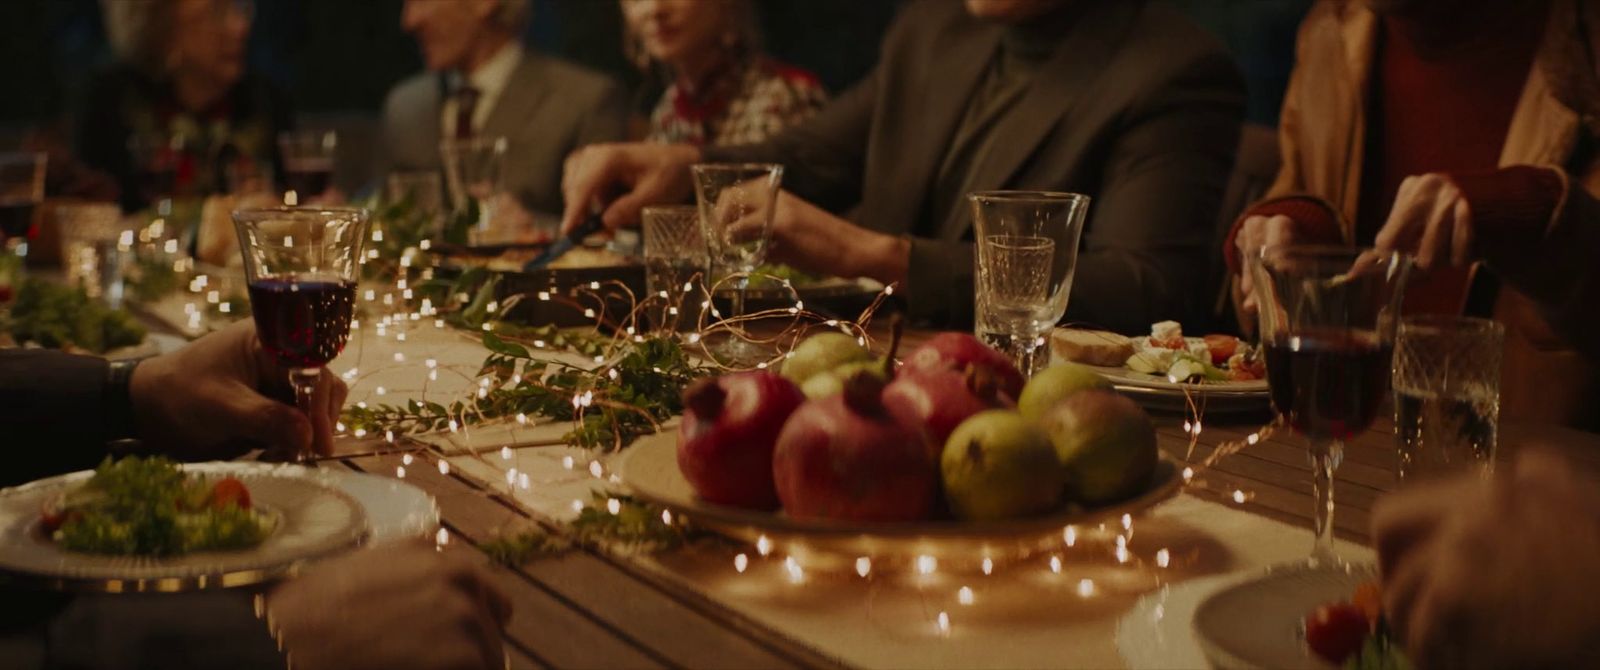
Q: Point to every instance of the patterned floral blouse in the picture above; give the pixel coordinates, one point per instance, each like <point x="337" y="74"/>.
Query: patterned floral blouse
<point x="743" y="104"/>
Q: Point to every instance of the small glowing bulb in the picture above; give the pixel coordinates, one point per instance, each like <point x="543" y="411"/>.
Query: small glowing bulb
<point x="796" y="575"/>
<point x="1163" y="558"/>
<point x="666" y="517"/>
<point x="964" y="596"/>
<point x="1122" y="554"/>
<point x="944" y="623"/>
<point x="926" y="564"/>
<point x="566" y="461"/>
<point x="444" y="467"/>
<point x="1070" y="535"/>
<point x="505" y="453"/>
<point x="763" y="545"/>
<point x="1238" y="496"/>
<point x="1188" y="474"/>
<point x="596" y="470"/>
<point x="613" y="506"/>
<point x="522" y="481"/>
<point x="1055" y="564"/>
<point x="381" y="390"/>
<point x="522" y="418"/>
<point x="1252" y="438"/>
<point x="1085" y="588"/>
<point x="988" y="566"/>
<point x="1127" y="521"/>
<point x="406" y="459"/>
<point x="863" y="566"/>
<point x="400" y="472"/>
<point x="442" y="537"/>
<point x="741" y="562"/>
<point x="511" y="477"/>
<point x="577" y="505"/>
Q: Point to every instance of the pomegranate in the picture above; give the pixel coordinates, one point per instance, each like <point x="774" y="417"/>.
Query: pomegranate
<point x="957" y="351"/>
<point x="845" y="457"/>
<point x="939" y="399"/>
<point x="730" y="425"/>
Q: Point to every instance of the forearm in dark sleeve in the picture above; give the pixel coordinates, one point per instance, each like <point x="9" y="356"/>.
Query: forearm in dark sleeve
<point x="823" y="158"/>
<point x="52" y="413"/>
<point x="1147" y="245"/>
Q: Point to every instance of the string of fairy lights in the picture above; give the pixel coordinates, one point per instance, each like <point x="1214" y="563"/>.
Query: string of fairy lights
<point x="391" y="295"/>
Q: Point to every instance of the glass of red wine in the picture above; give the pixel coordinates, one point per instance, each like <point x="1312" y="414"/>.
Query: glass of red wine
<point x="21" y="191"/>
<point x="302" y="265"/>
<point x="1327" y="317"/>
<point x="307" y="163"/>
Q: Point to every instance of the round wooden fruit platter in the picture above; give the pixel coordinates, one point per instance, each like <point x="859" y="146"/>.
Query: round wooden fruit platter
<point x="650" y="470"/>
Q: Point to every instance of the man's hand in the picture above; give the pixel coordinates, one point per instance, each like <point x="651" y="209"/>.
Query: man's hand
<point x="405" y="605"/>
<point x="1501" y="574"/>
<point x="215" y="399"/>
<point x="1255" y="234"/>
<point x="810" y="239"/>
<point x="647" y="173"/>
<point x="1430" y="218"/>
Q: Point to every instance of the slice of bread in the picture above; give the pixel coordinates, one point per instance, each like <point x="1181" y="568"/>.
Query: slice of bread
<point x="1091" y="347"/>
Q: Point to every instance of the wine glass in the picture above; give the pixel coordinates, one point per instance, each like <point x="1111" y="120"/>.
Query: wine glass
<point x="21" y="191"/>
<point x="736" y="206"/>
<point x="302" y="265"/>
<point x="1027" y="252"/>
<point x="1327" y="319"/>
<point x="307" y="163"/>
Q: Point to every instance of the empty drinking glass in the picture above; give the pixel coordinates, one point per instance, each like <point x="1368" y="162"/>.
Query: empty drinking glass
<point x="736" y="206"/>
<point x="1446" y="394"/>
<point x="1027" y="250"/>
<point x="675" y="265"/>
<point x="96" y="246"/>
<point x="307" y="163"/>
<point x="474" y="171"/>
<point x="21" y="191"/>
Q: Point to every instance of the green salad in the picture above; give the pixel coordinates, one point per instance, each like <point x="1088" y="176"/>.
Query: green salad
<point x="149" y="507"/>
<point x="55" y="316"/>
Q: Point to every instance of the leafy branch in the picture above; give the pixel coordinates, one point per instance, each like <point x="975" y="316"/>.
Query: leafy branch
<point x="637" y="527"/>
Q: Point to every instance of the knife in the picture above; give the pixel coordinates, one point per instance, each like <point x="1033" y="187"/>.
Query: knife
<point x="591" y="225"/>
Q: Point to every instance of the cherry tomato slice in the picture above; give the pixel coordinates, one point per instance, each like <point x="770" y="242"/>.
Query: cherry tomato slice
<point x="1222" y="347"/>
<point x="1335" y="631"/>
<point x="1369" y="599"/>
<point x="230" y="491"/>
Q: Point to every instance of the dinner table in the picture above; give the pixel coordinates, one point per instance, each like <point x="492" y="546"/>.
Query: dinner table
<point x="1116" y="594"/>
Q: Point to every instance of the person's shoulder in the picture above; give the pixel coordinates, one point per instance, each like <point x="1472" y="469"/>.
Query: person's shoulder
<point x="411" y="90"/>
<point x="571" y="79"/>
<point x="794" y="80"/>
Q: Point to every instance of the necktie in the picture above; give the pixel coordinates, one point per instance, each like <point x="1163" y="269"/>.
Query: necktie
<point x="466" y="103"/>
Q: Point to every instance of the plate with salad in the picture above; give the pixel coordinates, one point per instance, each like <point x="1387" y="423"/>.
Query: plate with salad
<point x="1300" y="617"/>
<point x="1168" y="366"/>
<point x="142" y="524"/>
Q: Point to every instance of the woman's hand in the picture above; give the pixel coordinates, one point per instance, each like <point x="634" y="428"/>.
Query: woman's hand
<point x="1255" y="234"/>
<point x="1431" y="218"/>
<point x="811" y="239"/>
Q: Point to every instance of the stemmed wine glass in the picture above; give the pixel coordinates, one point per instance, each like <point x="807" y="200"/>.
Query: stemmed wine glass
<point x="21" y="190"/>
<point x="1327" y="319"/>
<point x="736" y="207"/>
<point x="302" y="265"/>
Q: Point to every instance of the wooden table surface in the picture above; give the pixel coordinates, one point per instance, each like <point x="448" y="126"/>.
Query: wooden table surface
<point x="587" y="609"/>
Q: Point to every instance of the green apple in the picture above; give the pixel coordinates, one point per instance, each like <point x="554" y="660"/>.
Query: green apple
<point x="1105" y="443"/>
<point x="1053" y="384"/>
<point x="830" y="382"/>
<point x="998" y="465"/>
<point x="820" y="353"/>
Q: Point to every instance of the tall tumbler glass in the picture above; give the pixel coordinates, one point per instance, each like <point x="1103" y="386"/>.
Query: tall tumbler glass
<point x="21" y="191"/>
<point x="1446" y="394"/>
<point x="474" y="171"/>
<point x="1027" y="250"/>
<point x="736" y="206"/>
<point x="1327" y="318"/>
<point x="307" y="163"/>
<point x="674" y="260"/>
<point x="96" y="246"/>
<point x="302" y="265"/>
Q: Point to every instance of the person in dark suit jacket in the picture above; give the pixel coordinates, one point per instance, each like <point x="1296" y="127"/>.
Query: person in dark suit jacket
<point x="482" y="83"/>
<point x="1123" y="100"/>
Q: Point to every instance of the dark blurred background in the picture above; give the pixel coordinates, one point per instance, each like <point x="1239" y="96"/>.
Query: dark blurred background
<point x="339" y="57"/>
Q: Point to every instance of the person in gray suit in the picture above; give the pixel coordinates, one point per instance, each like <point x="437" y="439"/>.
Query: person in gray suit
<point x="1123" y="100"/>
<point x="482" y="83"/>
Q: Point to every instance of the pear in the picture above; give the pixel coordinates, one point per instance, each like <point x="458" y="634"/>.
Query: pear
<point x="831" y="382"/>
<point x="1105" y="443"/>
<point x="820" y="353"/>
<point x="998" y="465"/>
<point x="1055" y="383"/>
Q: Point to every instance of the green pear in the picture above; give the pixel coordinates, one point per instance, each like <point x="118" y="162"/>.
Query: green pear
<point x="820" y="353"/>
<point x="1055" y="383"/>
<point x="831" y="382"/>
<point x="1105" y="443"/>
<point x="998" y="465"/>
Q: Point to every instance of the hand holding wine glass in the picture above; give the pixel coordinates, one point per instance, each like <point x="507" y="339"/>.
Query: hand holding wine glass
<point x="302" y="266"/>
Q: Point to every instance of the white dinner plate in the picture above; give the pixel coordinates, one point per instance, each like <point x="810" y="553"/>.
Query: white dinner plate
<point x="1259" y="623"/>
<point x="313" y="518"/>
<point x="1160" y="393"/>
